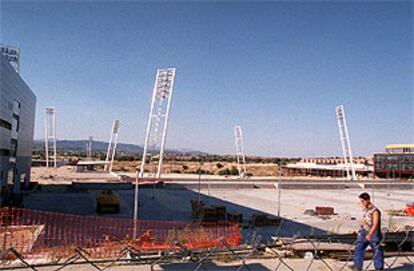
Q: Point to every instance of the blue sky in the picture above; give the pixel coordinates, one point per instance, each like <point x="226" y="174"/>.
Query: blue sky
<point x="276" y="68"/>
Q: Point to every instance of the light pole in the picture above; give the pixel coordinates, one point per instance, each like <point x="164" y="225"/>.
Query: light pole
<point x="279" y="195"/>
<point x="136" y="205"/>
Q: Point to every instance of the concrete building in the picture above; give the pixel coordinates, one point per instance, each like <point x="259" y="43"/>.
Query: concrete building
<point x="17" y="113"/>
<point x="396" y="161"/>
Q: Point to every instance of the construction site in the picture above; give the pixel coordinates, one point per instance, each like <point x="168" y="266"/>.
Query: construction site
<point x="98" y="214"/>
<point x="101" y="204"/>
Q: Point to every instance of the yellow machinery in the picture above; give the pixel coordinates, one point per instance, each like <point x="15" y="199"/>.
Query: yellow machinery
<point x="107" y="202"/>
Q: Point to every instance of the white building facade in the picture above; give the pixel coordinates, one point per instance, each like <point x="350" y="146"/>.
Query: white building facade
<point x="17" y="115"/>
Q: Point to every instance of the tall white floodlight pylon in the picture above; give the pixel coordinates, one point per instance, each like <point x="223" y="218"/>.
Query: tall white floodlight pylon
<point x="241" y="160"/>
<point x="158" y="119"/>
<point x="50" y="135"/>
<point x="113" y="141"/>
<point x="346" y="144"/>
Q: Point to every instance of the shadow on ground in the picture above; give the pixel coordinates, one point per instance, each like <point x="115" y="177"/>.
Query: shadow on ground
<point x="211" y="267"/>
<point x="165" y="202"/>
<point x="167" y="199"/>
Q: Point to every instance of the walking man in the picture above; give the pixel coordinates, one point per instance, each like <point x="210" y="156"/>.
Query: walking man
<point x="370" y="234"/>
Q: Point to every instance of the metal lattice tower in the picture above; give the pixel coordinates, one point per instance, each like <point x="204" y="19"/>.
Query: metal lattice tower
<point x="12" y="54"/>
<point x="157" y="125"/>
<point x="50" y="135"/>
<point x="89" y="148"/>
<point x="113" y="141"/>
<point x="346" y="144"/>
<point x="241" y="160"/>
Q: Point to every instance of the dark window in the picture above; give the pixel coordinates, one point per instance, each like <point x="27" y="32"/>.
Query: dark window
<point x="4" y="152"/>
<point x="16" y="122"/>
<point x="5" y="124"/>
<point x="13" y="147"/>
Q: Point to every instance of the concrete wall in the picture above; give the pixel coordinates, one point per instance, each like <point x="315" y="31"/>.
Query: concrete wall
<point x="12" y="89"/>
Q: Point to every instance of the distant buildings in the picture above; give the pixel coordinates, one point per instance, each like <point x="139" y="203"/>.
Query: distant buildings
<point x="397" y="161"/>
<point x="324" y="167"/>
<point x="17" y="112"/>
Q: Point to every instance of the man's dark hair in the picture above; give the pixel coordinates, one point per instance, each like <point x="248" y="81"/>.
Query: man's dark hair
<point x="365" y="196"/>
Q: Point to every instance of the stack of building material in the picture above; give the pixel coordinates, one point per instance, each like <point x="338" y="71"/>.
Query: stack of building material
<point x="324" y="211"/>
<point x="342" y="246"/>
<point x="201" y="210"/>
<point x="214" y="213"/>
<point x="235" y="217"/>
<point x="263" y="220"/>
<point x="196" y="208"/>
<point x="397" y="212"/>
<point x="408" y="211"/>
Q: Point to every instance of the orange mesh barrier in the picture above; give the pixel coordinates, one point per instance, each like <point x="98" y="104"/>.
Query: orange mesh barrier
<point x="35" y="233"/>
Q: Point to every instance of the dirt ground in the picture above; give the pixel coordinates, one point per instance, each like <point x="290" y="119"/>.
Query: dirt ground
<point x="164" y="204"/>
<point x="401" y="264"/>
<point x="68" y="174"/>
<point x="257" y="169"/>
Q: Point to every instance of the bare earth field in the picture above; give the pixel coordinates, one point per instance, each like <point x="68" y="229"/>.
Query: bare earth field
<point x="256" y="169"/>
<point x="173" y="203"/>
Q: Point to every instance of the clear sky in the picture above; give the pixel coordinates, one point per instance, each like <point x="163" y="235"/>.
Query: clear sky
<point x="276" y="68"/>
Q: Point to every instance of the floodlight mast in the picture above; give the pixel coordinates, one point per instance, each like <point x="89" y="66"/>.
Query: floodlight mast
<point x="50" y="135"/>
<point x="241" y="159"/>
<point x="158" y="118"/>
<point x="345" y="142"/>
<point x="110" y="155"/>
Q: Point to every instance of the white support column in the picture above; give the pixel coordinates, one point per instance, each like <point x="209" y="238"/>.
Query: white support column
<point x="46" y="139"/>
<point x="50" y="135"/>
<point x="345" y="142"/>
<point x="113" y="141"/>
<point x="160" y="110"/>
<point x="241" y="159"/>
<point x="89" y="148"/>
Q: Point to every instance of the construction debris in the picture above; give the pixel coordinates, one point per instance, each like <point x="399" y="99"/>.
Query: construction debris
<point x="235" y="217"/>
<point x="410" y="209"/>
<point x="310" y="212"/>
<point x="324" y="211"/>
<point x="200" y="210"/>
<point x="342" y="246"/>
<point x="397" y="212"/>
<point x="259" y="220"/>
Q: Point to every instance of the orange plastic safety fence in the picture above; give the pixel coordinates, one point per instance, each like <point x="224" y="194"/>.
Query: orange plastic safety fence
<point x="35" y="233"/>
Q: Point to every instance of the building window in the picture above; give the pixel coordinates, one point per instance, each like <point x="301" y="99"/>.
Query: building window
<point x="5" y="124"/>
<point x="10" y="175"/>
<point x="16" y="122"/>
<point x="16" y="104"/>
<point x="13" y="147"/>
<point x="4" y="152"/>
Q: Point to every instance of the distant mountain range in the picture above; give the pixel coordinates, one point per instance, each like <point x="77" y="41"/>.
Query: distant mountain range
<point x="100" y="146"/>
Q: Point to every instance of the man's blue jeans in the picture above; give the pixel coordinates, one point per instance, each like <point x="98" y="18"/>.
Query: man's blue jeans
<point x="362" y="245"/>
